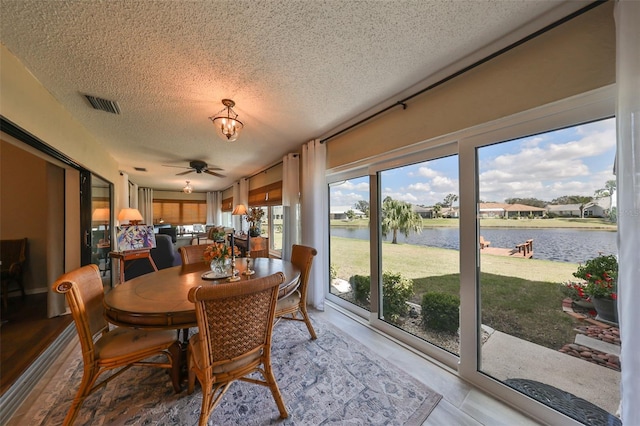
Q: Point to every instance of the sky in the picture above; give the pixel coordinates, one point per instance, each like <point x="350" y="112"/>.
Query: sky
<point x="573" y="161"/>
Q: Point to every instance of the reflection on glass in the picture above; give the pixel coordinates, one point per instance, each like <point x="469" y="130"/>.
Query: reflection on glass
<point x="349" y="240"/>
<point x="101" y="224"/>
<point x="546" y="204"/>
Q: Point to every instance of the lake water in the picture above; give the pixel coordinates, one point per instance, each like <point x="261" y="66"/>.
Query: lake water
<point x="563" y="245"/>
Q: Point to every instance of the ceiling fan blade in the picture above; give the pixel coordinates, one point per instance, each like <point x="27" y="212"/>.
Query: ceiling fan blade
<point x="209" y="172"/>
<point x="214" y="168"/>
<point x="184" y="173"/>
<point x="180" y="167"/>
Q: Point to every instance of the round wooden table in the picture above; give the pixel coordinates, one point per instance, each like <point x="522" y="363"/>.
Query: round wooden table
<point x="159" y="299"/>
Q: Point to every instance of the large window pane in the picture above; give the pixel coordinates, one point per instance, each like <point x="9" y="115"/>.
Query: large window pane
<point x="420" y="250"/>
<point x="546" y="204"/>
<point x="349" y="240"/>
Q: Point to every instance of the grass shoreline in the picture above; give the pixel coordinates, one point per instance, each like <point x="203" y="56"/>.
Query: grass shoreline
<point x="596" y="224"/>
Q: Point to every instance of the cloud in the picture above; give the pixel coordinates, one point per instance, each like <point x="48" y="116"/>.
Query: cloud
<point x="567" y="162"/>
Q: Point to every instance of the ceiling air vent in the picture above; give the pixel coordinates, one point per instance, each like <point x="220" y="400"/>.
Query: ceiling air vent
<point x="103" y="104"/>
<point x="140" y="169"/>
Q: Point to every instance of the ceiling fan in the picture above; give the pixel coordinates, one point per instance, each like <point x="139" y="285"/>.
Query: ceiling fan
<point x="198" y="167"/>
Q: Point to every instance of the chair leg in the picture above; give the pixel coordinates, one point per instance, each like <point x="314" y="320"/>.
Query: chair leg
<point x="273" y="385"/>
<point x="88" y="379"/>
<point x="305" y="315"/>
<point x="175" y="351"/>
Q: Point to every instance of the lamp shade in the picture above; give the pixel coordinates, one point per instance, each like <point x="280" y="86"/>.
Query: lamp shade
<point x="101" y="215"/>
<point x="132" y="216"/>
<point x="240" y="209"/>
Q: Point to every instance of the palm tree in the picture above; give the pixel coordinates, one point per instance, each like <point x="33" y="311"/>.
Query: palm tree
<point x="399" y="216"/>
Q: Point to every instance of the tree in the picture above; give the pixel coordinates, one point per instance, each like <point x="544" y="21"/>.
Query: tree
<point x="350" y="214"/>
<point x="436" y="210"/>
<point x="363" y="206"/>
<point x="449" y="200"/>
<point x="399" y="216"/>
<point x="527" y="201"/>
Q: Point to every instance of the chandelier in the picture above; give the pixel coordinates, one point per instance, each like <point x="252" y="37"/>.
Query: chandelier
<point x="188" y="189"/>
<point x="226" y="122"/>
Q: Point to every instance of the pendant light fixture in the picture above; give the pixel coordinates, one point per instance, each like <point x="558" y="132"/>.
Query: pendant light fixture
<point x="226" y="122"/>
<point x="188" y="189"/>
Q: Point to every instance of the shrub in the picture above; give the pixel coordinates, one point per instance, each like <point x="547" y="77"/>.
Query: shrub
<point x="396" y="290"/>
<point x="361" y="285"/>
<point x="440" y="312"/>
<point x="333" y="272"/>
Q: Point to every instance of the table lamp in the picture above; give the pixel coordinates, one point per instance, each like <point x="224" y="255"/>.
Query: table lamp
<point x="102" y="215"/>
<point x="241" y="210"/>
<point x="132" y="216"/>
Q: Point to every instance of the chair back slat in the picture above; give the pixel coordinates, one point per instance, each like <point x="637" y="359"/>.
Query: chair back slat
<point x="192" y="254"/>
<point x="302" y="258"/>
<point x="86" y="304"/>
<point x="236" y="318"/>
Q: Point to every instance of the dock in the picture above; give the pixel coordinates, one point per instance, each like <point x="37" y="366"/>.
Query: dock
<point x="524" y="250"/>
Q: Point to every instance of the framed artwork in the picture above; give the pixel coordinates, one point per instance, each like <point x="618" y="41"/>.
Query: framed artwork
<point x="134" y="237"/>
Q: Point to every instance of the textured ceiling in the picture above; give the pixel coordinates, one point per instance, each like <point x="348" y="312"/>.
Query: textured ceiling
<point x="296" y="69"/>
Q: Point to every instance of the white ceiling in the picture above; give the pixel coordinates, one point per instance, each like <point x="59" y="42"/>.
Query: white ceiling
<point x="297" y="70"/>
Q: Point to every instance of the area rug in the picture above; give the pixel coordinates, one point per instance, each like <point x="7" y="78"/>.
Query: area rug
<point x="332" y="380"/>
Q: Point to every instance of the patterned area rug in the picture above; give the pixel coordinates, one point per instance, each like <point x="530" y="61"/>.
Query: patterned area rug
<point x="332" y="380"/>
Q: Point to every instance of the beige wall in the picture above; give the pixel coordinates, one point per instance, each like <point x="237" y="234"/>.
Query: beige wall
<point x="26" y="103"/>
<point x="24" y="191"/>
<point x="573" y="58"/>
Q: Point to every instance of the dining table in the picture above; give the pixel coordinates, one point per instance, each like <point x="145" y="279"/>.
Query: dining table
<point x="158" y="300"/>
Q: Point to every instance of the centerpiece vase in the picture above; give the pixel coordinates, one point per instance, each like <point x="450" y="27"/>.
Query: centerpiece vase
<point x="606" y="309"/>
<point x="219" y="266"/>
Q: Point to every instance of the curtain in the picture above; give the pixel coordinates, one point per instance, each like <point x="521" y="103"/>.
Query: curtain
<point x="214" y="208"/>
<point x="240" y="196"/>
<point x="315" y="218"/>
<point x="145" y="204"/>
<point x="627" y="17"/>
<point x="134" y="197"/>
<point x="290" y="203"/>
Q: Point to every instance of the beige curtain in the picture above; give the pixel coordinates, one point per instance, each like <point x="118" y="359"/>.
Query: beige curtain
<point x="214" y="208"/>
<point x="627" y="16"/>
<point x="290" y="203"/>
<point x="314" y="217"/>
<point x="145" y="204"/>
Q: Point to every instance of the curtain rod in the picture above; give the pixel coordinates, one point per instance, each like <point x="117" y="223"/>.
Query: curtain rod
<point x="269" y="168"/>
<point x="470" y="67"/>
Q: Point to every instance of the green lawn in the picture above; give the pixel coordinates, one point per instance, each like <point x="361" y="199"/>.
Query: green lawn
<point x="519" y="296"/>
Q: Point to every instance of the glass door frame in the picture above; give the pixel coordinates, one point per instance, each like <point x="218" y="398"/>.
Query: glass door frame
<point x="591" y="106"/>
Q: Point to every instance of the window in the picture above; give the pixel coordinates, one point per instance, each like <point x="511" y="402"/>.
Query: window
<point x="180" y="212"/>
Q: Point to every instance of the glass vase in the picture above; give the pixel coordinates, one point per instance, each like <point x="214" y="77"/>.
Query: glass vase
<point x="219" y="266"/>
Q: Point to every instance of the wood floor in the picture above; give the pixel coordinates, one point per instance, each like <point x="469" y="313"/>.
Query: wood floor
<point x="25" y="333"/>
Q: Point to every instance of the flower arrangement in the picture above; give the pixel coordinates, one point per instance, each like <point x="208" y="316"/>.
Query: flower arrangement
<point x="600" y="275"/>
<point x="254" y="216"/>
<point x="219" y="251"/>
<point x="574" y="290"/>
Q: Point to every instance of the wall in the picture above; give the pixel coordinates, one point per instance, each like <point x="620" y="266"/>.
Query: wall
<point x="24" y="207"/>
<point x="573" y="58"/>
<point x="27" y="104"/>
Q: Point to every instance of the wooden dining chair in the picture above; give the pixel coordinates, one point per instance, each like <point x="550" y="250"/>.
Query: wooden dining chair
<point x="235" y="322"/>
<point x="105" y="349"/>
<point x="192" y="254"/>
<point x="289" y="306"/>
